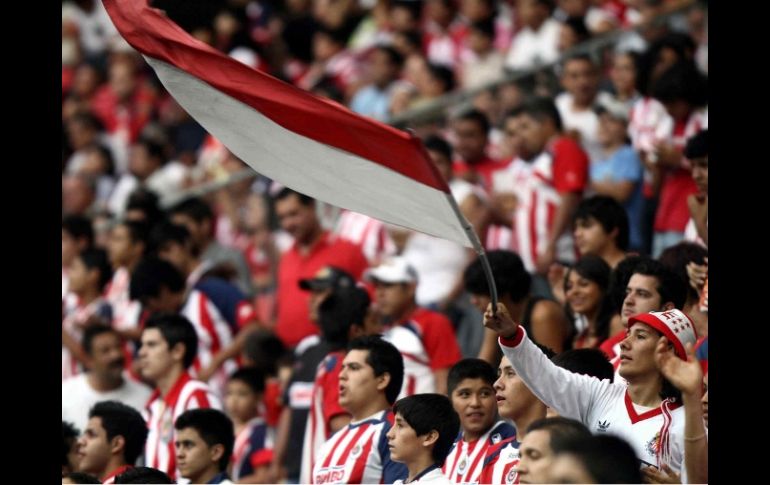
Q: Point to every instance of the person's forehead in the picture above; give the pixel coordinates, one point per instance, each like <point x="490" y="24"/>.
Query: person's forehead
<point x="647" y="282"/>
<point x="473" y="383"/>
<point x="504" y="362"/>
<point x="356" y="355"/>
<point x="538" y="439"/>
<point x="95" y="425"/>
<point x="152" y="334"/>
<point x="105" y="339"/>
<point x="190" y="434"/>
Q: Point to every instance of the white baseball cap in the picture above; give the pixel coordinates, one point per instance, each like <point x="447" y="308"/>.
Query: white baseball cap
<point x="393" y="270"/>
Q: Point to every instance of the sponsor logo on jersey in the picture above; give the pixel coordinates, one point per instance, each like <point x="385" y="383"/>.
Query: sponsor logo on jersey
<point x="355" y="451"/>
<point x="462" y="465"/>
<point x="653" y="445"/>
<point x="602" y="426"/>
<point x="496" y="438"/>
<point x="330" y="475"/>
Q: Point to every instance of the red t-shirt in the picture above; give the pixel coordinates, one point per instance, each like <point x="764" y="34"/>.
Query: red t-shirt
<point x="570" y="165"/>
<point x="484" y="168"/>
<point x="676" y="186"/>
<point x="293" y="323"/>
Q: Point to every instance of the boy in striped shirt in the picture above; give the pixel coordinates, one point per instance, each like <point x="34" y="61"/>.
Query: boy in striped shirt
<point x="471" y="390"/>
<point x="369" y="382"/>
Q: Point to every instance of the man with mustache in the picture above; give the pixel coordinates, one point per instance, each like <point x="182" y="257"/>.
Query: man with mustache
<point x="104" y="381"/>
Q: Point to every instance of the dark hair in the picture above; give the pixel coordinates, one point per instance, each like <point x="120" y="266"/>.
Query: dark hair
<point x="508" y="271"/>
<point x="578" y="26"/>
<point x="541" y="108"/>
<point x="607" y="458"/>
<point x="152" y="274"/>
<point x="265" y="350"/>
<point x="153" y="148"/>
<point x="590" y="362"/>
<point x="147" y="202"/>
<point x="87" y="119"/>
<point x="383" y="357"/>
<point x="470" y="369"/>
<point x="69" y="435"/>
<point x="682" y="81"/>
<point x="437" y="144"/>
<point x="580" y="56"/>
<point x="94" y="258"/>
<point x="562" y="431"/>
<point x="341" y="310"/>
<point x="619" y="277"/>
<point x="442" y="74"/>
<point x="167" y="233"/>
<point x="176" y="329"/>
<point x="138" y="231"/>
<point x="394" y="57"/>
<point x="252" y="377"/>
<point x="109" y="159"/>
<point x="485" y="26"/>
<point x="286" y="192"/>
<point x="143" y="474"/>
<point x="195" y="208"/>
<point x="676" y="258"/>
<point x="427" y="412"/>
<point x="609" y="213"/>
<point x="79" y="227"/>
<point x="213" y="426"/>
<point x="93" y="331"/>
<point x="477" y="117"/>
<point x="670" y="286"/>
<point x="80" y="477"/>
<point x="697" y="146"/>
<point x="594" y="268"/>
<point x="118" y="419"/>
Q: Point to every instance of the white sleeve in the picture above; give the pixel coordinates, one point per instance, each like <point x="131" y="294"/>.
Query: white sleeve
<point x="571" y="395"/>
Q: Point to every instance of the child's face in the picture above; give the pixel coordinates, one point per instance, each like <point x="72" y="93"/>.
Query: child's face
<point x="403" y="442"/>
<point x="240" y="401"/>
<point x="474" y="401"/>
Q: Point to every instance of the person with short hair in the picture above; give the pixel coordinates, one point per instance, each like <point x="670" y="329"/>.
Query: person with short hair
<point x="169" y="347"/>
<point x="143" y="474"/>
<point x="112" y="441"/>
<point x="471" y="388"/>
<point x="204" y="444"/>
<point x="69" y="439"/>
<point x="369" y="382"/>
<point x="600" y="459"/>
<point x="544" y="439"/>
<point x="422" y="435"/>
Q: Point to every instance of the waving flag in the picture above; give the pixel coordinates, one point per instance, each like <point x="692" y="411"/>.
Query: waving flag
<point x="309" y="144"/>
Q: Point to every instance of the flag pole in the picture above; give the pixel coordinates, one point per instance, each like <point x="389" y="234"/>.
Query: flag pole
<point x="474" y="239"/>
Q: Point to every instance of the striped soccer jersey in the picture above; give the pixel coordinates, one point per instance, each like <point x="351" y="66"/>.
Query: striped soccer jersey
<point x="359" y="453"/>
<point x="466" y="459"/>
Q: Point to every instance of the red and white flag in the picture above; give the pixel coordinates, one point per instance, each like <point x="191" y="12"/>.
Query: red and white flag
<point x="312" y="145"/>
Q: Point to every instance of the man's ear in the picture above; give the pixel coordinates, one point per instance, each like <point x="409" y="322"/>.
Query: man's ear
<point x="216" y="452"/>
<point x="178" y="351"/>
<point x="117" y="445"/>
<point x="383" y="381"/>
<point x="668" y="306"/>
<point x="430" y="438"/>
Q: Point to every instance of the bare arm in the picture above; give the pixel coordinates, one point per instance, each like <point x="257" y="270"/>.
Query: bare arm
<point x="440" y="375"/>
<point x="619" y="191"/>
<point x="562" y="219"/>
<point x="490" y="350"/>
<point x="549" y="325"/>
<point x="231" y="351"/>
<point x="277" y="469"/>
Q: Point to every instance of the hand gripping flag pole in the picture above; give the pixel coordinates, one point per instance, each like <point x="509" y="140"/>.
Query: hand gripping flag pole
<point x="310" y="144"/>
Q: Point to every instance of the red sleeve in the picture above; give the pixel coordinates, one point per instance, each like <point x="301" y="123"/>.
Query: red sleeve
<point x="356" y="262"/>
<point x="261" y="458"/>
<point x="331" y="390"/>
<point x="607" y="345"/>
<point x="273" y="405"/>
<point x="570" y="166"/>
<point x="438" y="335"/>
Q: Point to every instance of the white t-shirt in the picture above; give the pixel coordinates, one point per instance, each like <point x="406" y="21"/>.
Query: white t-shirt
<point x="77" y="398"/>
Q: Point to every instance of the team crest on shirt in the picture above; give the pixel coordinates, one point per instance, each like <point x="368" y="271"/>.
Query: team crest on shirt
<point x="356" y="451"/>
<point x="496" y="438"/>
<point x="653" y="445"/>
<point x="511" y="476"/>
<point x="166" y="430"/>
<point x="602" y="426"/>
<point x="461" y="466"/>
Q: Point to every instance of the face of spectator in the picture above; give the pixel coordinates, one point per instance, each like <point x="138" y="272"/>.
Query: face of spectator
<point x="107" y="355"/>
<point x="642" y="296"/>
<point x="700" y="173"/>
<point x="479" y="42"/>
<point x="86" y="81"/>
<point x="637" y="352"/>
<point x="403" y="441"/>
<point x="534" y="134"/>
<point x="195" y="459"/>
<point x="536" y="457"/>
<point x="94" y="448"/>
<point x="80" y="278"/>
<point x="79" y="134"/>
<point x="612" y="131"/>
<point x="581" y="80"/>
<point x="393" y="298"/>
<point x="77" y="195"/>
<point x="241" y="402"/>
<point x="590" y="236"/>
<point x="122" y="80"/>
<point x="439" y="12"/>
<point x="531" y="13"/>
<point x="358" y="384"/>
<point x="583" y="295"/>
<point x="443" y="164"/>
<point x="324" y="47"/>
<point x="475" y="10"/>
<point x="155" y="357"/>
<point x="512" y="395"/>
<point x="383" y="70"/>
<point x="475" y="402"/>
<point x="623" y="74"/>
<point x="514" y="142"/>
<point x="140" y="163"/>
<point x="471" y="140"/>
<point x="122" y="250"/>
<point x="297" y="219"/>
<point x="567" y="38"/>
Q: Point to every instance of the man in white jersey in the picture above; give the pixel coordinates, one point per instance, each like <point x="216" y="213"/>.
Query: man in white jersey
<point x="471" y="390"/>
<point x="647" y="412"/>
<point x="369" y="382"/>
<point x="422" y="436"/>
<point x="169" y="347"/>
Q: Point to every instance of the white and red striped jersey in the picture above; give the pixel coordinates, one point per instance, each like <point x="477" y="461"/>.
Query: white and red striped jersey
<point x="649" y="123"/>
<point x="214" y="334"/>
<point x="466" y="458"/>
<point x="253" y="448"/>
<point x="427" y="342"/>
<point x="359" y="453"/>
<point x="324" y="406"/>
<point x="501" y="462"/>
<point x="367" y="233"/>
<point x="161" y="413"/>
<point x="602" y="406"/>
<point x="125" y="312"/>
<point x="561" y="169"/>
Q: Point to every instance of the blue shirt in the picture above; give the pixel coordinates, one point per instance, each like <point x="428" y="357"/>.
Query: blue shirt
<point x="371" y="101"/>
<point x="625" y="165"/>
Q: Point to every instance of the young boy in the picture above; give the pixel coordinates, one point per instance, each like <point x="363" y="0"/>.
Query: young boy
<point x="471" y="389"/>
<point x="204" y="444"/>
<point x="253" y="451"/>
<point x="422" y="436"/>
